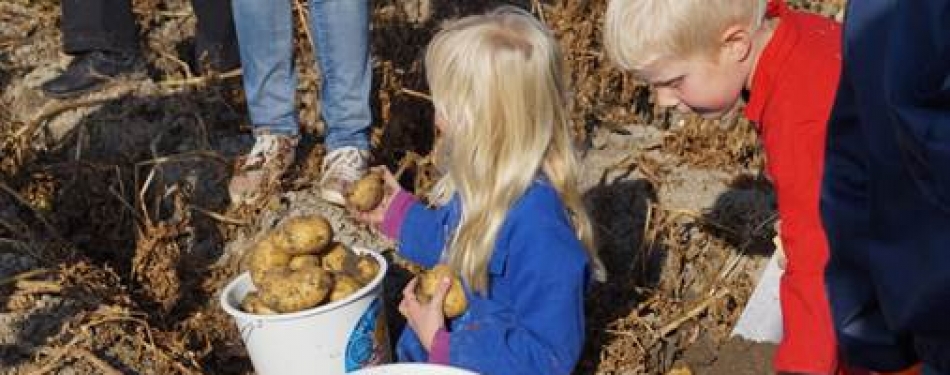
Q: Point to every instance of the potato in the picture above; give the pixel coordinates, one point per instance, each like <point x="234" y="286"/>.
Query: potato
<point x="253" y="304"/>
<point x="343" y="286"/>
<point x="337" y="258"/>
<point x="683" y="370"/>
<point x="367" y="193"/>
<point x="366" y="268"/>
<point x="300" y="262"/>
<point x="290" y="291"/>
<point x="278" y="240"/>
<point x="455" y="302"/>
<point x="306" y="234"/>
<point x="264" y="256"/>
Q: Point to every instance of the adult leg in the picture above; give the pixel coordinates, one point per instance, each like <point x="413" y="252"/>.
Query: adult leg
<point x="98" y="25"/>
<point x="102" y="35"/>
<point x="341" y="28"/>
<point x="265" y="39"/>
<point x="342" y="36"/>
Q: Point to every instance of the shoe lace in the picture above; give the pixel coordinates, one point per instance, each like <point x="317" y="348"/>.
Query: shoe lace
<point x="347" y="163"/>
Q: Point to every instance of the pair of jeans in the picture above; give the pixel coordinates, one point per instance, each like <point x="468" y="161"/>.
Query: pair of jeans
<point x="109" y="25"/>
<point x="266" y="37"/>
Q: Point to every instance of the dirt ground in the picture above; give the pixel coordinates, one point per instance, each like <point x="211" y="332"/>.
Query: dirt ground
<point x="116" y="232"/>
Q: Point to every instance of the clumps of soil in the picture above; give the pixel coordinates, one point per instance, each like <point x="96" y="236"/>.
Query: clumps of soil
<point x="730" y="144"/>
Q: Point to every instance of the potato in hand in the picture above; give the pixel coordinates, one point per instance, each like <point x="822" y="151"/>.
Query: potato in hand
<point x="366" y="193"/>
<point x="455" y="302"/>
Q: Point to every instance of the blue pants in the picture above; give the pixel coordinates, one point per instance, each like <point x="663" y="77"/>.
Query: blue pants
<point x="341" y="31"/>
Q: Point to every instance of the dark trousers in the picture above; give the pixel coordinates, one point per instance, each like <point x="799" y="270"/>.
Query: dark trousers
<point x="109" y="25"/>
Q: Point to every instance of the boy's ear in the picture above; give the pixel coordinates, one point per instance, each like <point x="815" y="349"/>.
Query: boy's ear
<point x="736" y="43"/>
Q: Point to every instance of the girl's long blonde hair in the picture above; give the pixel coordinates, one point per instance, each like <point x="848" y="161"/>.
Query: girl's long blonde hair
<point x="497" y="81"/>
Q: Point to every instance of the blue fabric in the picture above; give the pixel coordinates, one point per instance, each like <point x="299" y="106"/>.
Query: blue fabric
<point x="886" y="191"/>
<point x="341" y="32"/>
<point x="532" y="319"/>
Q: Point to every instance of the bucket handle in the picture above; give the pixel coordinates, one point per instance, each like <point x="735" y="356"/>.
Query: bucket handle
<point x="249" y="328"/>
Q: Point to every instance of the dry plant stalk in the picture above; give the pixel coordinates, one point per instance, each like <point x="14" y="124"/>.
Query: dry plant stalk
<point x="158" y="250"/>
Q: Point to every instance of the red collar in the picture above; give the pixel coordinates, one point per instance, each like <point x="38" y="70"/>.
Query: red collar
<point x="776" y="8"/>
<point x="769" y="66"/>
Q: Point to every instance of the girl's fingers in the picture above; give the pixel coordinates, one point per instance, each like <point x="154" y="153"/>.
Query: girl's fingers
<point x="409" y="292"/>
<point x="439" y="296"/>
<point x="404" y="307"/>
<point x="389" y="179"/>
<point x="410" y="289"/>
<point x="409" y="301"/>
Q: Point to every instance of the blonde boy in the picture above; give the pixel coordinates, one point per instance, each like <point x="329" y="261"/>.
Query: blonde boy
<point x="703" y="55"/>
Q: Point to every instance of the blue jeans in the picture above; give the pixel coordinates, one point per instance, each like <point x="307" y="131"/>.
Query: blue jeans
<point x="341" y="29"/>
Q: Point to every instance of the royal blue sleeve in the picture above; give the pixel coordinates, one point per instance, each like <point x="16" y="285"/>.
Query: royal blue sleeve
<point x="424" y="233"/>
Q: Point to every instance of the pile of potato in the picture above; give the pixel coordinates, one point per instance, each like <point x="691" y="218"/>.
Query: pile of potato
<point x="297" y="266"/>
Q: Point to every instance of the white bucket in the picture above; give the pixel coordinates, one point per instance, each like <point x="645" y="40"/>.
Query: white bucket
<point x="413" y="369"/>
<point x="335" y="338"/>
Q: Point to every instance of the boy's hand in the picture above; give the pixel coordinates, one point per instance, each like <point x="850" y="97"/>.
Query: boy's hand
<point x="390" y="188"/>
<point x="779" y="252"/>
<point x="779" y="249"/>
<point x="424" y="319"/>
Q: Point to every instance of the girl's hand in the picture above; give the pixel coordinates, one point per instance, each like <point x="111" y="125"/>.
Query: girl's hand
<point x="390" y="188"/>
<point x="424" y="319"/>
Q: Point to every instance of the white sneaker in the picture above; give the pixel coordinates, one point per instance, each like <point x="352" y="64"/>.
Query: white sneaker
<point x="341" y="168"/>
<point x="262" y="168"/>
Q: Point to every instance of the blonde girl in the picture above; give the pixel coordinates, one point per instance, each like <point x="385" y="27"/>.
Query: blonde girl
<point x="506" y="215"/>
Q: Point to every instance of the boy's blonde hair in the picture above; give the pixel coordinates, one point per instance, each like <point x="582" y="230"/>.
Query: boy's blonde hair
<point x="498" y="82"/>
<point x="639" y="32"/>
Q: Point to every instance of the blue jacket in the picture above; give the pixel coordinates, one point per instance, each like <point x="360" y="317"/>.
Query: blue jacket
<point x="532" y="320"/>
<point x="886" y="192"/>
